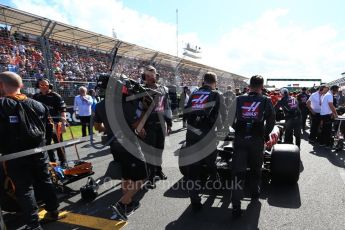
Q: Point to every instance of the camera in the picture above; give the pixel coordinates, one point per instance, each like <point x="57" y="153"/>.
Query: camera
<point x="130" y="86"/>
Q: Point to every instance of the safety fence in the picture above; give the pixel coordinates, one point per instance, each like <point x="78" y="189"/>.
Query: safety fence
<point x="67" y="89"/>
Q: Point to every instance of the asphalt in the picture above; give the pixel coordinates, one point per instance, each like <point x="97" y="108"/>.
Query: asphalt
<point x="316" y="202"/>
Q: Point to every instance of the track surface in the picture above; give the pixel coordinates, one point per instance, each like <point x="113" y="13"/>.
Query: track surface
<point x="317" y="202"/>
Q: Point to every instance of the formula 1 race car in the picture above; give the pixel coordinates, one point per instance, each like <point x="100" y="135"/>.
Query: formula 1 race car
<point x="281" y="161"/>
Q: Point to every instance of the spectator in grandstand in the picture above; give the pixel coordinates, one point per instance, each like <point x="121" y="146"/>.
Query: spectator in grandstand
<point x="39" y="75"/>
<point x="314" y="106"/>
<point x="57" y="110"/>
<point x="327" y="113"/>
<point x="28" y="174"/>
<point x="82" y="107"/>
<point x="72" y="63"/>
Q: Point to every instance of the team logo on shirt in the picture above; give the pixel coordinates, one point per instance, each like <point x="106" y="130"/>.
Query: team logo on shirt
<point x="13" y="119"/>
<point x="160" y="105"/>
<point x="292" y="102"/>
<point x="199" y="101"/>
<point x="250" y="109"/>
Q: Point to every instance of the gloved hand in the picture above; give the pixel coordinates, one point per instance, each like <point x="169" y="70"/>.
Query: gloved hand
<point x="273" y="137"/>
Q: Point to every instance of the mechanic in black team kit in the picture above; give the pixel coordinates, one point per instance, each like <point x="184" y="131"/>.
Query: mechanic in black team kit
<point x="57" y="110"/>
<point x="23" y="123"/>
<point x="206" y="112"/>
<point x="254" y="121"/>
<point x="302" y="99"/>
<point x="293" y="118"/>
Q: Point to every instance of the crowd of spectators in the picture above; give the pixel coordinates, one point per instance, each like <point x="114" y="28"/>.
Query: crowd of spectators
<point x="72" y="63"/>
<point x="22" y="54"/>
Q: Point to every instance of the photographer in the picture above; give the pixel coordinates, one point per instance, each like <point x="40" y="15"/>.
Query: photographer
<point x="158" y="124"/>
<point x="133" y="165"/>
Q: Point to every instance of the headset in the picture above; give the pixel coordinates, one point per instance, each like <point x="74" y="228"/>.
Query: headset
<point x="143" y="76"/>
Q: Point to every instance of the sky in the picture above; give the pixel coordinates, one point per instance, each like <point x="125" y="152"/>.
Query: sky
<point x="273" y="38"/>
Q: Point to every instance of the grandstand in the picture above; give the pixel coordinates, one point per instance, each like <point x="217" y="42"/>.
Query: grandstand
<point x="340" y="81"/>
<point x="37" y="47"/>
<point x="293" y="83"/>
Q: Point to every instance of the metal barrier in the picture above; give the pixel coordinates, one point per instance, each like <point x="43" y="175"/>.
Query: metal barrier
<point x="29" y="152"/>
<point x="32" y="152"/>
<point x="67" y="89"/>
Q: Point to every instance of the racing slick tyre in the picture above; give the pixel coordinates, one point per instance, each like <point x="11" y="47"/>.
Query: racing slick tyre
<point x="285" y="163"/>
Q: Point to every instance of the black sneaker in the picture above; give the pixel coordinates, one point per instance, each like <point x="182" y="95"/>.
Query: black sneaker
<point x="236" y="211"/>
<point x="119" y="212"/>
<point x="161" y="175"/>
<point x="197" y="206"/>
<point x="130" y="208"/>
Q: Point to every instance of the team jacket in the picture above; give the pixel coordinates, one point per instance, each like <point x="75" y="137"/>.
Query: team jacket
<point x="254" y="117"/>
<point x="204" y="108"/>
<point x="290" y="107"/>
